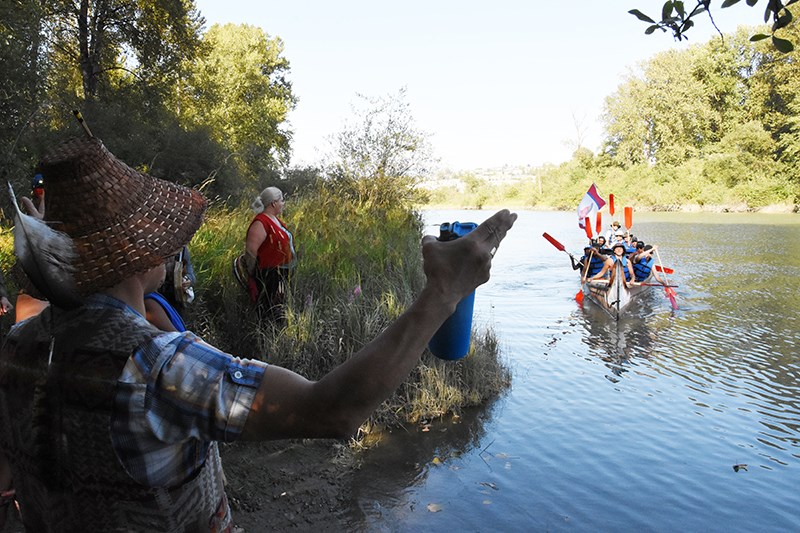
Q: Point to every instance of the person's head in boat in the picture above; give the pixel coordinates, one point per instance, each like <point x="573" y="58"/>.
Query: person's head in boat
<point x="615" y="225"/>
<point x="619" y="236"/>
<point x="588" y="250"/>
<point x="618" y="249"/>
<point x="601" y="241"/>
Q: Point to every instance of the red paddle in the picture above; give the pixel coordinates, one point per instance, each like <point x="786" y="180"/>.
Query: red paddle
<point x="554" y="242"/>
<point x="588" y="228"/>
<point x="599" y="226"/>
<point x="665" y="270"/>
<point x="560" y="247"/>
<point x="628" y="218"/>
<point x="668" y="291"/>
<point x="611" y="204"/>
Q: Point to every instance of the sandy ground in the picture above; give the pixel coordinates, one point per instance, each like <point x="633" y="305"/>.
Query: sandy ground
<point x="281" y="486"/>
<point x="289" y="485"/>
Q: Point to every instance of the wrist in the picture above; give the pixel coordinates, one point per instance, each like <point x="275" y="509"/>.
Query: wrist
<point x="438" y="300"/>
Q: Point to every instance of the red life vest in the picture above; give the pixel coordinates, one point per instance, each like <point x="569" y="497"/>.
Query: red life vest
<point x="276" y="250"/>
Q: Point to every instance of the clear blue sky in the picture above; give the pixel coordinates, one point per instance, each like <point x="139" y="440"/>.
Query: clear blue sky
<point x="494" y="82"/>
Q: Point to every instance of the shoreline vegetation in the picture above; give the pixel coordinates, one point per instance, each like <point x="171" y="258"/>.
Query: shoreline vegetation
<point x="347" y="287"/>
<point x="782" y="209"/>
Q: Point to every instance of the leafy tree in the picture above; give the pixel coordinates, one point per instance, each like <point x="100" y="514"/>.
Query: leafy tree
<point x="774" y="97"/>
<point x="676" y="19"/>
<point x="239" y="89"/>
<point x="663" y="116"/>
<point x="21" y="84"/>
<point x="380" y="154"/>
<point x="681" y="103"/>
<point x="101" y="39"/>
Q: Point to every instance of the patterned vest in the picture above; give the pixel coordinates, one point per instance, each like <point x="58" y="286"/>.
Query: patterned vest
<point x="56" y="401"/>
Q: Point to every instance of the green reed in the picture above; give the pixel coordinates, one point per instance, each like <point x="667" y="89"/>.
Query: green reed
<point x="359" y="268"/>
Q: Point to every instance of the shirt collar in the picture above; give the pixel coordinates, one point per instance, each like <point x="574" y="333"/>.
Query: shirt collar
<point x="99" y="300"/>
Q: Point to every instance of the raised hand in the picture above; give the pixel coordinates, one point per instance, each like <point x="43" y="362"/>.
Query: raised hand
<point x="455" y="268"/>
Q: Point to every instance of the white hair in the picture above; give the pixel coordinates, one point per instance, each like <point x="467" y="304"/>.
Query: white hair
<point x="267" y="196"/>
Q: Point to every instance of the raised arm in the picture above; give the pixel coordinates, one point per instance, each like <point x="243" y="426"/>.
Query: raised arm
<point x="288" y="405"/>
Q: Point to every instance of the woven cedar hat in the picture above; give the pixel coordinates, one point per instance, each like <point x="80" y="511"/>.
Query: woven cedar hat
<point x="121" y="221"/>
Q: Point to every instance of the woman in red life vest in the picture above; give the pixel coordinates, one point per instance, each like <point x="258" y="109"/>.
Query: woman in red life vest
<point x="269" y="253"/>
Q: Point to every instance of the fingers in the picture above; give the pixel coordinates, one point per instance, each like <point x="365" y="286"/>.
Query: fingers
<point x="493" y="230"/>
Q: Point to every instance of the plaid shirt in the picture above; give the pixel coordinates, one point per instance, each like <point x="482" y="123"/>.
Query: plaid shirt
<point x="176" y="394"/>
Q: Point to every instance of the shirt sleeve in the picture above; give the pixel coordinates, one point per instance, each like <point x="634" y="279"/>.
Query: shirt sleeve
<point x="188" y="389"/>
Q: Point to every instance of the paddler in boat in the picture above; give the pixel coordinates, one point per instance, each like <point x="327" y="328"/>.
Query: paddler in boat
<point x="619" y="237"/>
<point x="602" y="245"/>
<point x="595" y="261"/>
<point x="630" y="243"/>
<point x="618" y="250"/>
<point x="643" y="261"/>
<point x="611" y="233"/>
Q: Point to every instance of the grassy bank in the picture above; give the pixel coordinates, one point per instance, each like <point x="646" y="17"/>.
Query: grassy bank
<point x="711" y="184"/>
<point x="359" y="268"/>
<point x="686" y="208"/>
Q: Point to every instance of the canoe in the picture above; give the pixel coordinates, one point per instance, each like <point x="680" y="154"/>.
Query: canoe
<point x="613" y="297"/>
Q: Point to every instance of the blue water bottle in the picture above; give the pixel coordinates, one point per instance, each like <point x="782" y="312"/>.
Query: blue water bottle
<point x="452" y="340"/>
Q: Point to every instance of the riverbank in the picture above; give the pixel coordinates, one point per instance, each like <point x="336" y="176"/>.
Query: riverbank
<point x="284" y="485"/>
<point x="781" y="209"/>
<point x="281" y="486"/>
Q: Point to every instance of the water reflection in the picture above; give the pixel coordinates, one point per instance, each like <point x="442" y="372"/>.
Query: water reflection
<point x="618" y="342"/>
<point x="405" y="459"/>
<point x="679" y="397"/>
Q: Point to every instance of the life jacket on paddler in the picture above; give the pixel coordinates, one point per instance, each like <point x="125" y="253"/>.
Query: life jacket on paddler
<point x="622" y="260"/>
<point x="642" y="269"/>
<point x="595" y="264"/>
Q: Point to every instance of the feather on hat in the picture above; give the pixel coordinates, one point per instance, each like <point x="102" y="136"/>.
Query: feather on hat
<point x="121" y="221"/>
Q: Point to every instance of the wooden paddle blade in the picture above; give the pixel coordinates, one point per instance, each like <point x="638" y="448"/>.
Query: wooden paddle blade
<point x="588" y="227"/>
<point x="665" y="270"/>
<point x="629" y="217"/>
<point x="579" y="297"/>
<point x="599" y="226"/>
<point x="553" y="241"/>
<point x="611" y="204"/>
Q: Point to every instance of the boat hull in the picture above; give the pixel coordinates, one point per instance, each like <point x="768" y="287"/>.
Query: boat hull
<point x="612" y="296"/>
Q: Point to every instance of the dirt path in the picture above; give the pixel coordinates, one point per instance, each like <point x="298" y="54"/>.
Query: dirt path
<point x="281" y="486"/>
<point x="285" y="485"/>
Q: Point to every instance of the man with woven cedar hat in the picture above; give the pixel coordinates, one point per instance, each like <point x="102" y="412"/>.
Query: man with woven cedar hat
<point x="111" y="424"/>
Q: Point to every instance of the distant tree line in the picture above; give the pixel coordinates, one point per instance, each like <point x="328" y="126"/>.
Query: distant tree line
<point x="166" y="97"/>
<point x="714" y="125"/>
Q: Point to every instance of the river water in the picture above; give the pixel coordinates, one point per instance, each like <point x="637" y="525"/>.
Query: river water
<point x="629" y="426"/>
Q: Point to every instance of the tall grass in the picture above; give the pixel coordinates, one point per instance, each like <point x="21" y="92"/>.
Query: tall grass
<point x="359" y="267"/>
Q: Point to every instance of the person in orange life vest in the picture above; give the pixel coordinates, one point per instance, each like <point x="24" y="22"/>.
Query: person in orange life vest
<point x="269" y="252"/>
